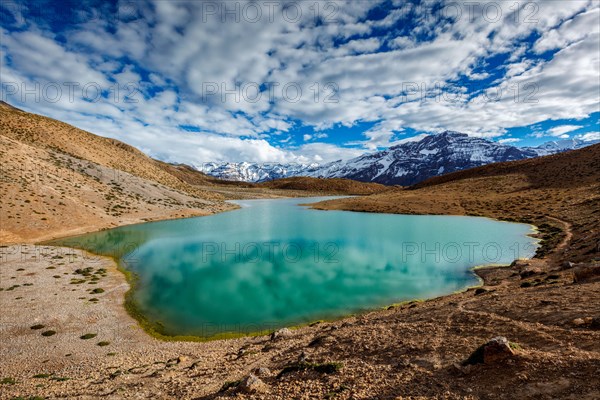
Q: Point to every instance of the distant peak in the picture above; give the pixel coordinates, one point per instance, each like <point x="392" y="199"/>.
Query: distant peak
<point x="453" y="134"/>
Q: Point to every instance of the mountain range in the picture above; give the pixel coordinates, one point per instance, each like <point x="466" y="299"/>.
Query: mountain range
<point x="404" y="164"/>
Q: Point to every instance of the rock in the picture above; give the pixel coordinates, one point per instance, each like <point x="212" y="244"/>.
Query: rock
<point x="262" y="372"/>
<point x="424" y="363"/>
<point x="463" y="369"/>
<point x="302" y="357"/>
<point x="519" y="263"/>
<point x="582" y="321"/>
<point x="529" y="272"/>
<point x="586" y="273"/>
<point x="281" y="333"/>
<point x="496" y="350"/>
<point x="252" y="384"/>
<point x="181" y="359"/>
<point x="567" y="265"/>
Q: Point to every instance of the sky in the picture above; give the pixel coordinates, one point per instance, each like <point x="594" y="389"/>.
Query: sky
<point x="304" y="81"/>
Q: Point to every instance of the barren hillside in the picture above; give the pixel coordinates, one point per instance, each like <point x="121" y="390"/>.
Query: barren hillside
<point x="327" y="185"/>
<point x="59" y="180"/>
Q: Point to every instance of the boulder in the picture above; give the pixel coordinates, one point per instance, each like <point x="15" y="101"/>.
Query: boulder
<point x="526" y="273"/>
<point x="567" y="265"/>
<point x="582" y="321"/>
<point x="252" y="384"/>
<point x="496" y="350"/>
<point x="586" y="273"/>
<point x="281" y="333"/>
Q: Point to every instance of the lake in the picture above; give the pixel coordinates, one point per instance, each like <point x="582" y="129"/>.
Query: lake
<point x="275" y="263"/>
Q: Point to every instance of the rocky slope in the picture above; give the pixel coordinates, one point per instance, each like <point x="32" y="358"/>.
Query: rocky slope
<point x="405" y="164"/>
<point x="328" y="186"/>
<point x="59" y="180"/>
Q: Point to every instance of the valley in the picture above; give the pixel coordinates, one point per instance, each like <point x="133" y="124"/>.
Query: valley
<point x="77" y="339"/>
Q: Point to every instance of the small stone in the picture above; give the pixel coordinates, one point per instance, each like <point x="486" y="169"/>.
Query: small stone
<point x="463" y="369"/>
<point x="302" y="357"/>
<point x="252" y="384"/>
<point x="529" y="272"/>
<point x="578" y="322"/>
<point x="281" y="333"/>
<point x="262" y="372"/>
<point x="181" y="359"/>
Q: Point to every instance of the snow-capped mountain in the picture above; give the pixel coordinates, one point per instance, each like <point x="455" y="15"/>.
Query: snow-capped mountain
<point x="557" y="146"/>
<point x="253" y="172"/>
<point x="404" y="164"/>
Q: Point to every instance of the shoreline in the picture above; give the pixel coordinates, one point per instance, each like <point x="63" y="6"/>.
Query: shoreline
<point x="222" y="360"/>
<point x="150" y="328"/>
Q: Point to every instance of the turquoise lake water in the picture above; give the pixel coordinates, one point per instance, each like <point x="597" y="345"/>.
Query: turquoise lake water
<point x="274" y="263"/>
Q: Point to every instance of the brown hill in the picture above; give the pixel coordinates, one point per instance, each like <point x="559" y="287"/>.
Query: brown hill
<point x="50" y="134"/>
<point x="59" y="180"/>
<point x="560" y="194"/>
<point x="326" y="185"/>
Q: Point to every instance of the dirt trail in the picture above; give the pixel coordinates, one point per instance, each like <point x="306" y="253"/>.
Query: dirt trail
<point x="567" y="228"/>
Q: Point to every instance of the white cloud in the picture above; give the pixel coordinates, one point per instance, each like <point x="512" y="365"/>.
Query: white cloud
<point x="560" y="131"/>
<point x="588" y="137"/>
<point x="509" y="140"/>
<point x="182" y="56"/>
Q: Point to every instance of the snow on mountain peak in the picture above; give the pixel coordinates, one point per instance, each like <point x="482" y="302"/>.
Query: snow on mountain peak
<point x="404" y="164"/>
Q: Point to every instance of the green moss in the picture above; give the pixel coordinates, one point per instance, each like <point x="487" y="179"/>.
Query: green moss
<point x="229" y="384"/>
<point x="42" y="376"/>
<point x="7" y="381"/>
<point x="102" y="344"/>
<point x="38" y="326"/>
<point x="97" y="290"/>
<point x="49" y="333"/>
<point x="88" y="336"/>
<point x="515" y="346"/>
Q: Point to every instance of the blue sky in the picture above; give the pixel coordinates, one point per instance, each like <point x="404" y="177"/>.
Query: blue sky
<point x="304" y="81"/>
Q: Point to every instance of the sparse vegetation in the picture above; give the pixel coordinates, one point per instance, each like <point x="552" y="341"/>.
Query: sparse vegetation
<point x="88" y="336"/>
<point x="324" y="368"/>
<point x="48" y="333"/>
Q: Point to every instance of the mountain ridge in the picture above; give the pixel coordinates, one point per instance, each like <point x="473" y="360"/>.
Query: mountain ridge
<point x="405" y="164"/>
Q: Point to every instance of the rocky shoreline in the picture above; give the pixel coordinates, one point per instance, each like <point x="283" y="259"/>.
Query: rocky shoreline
<point x="414" y="349"/>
